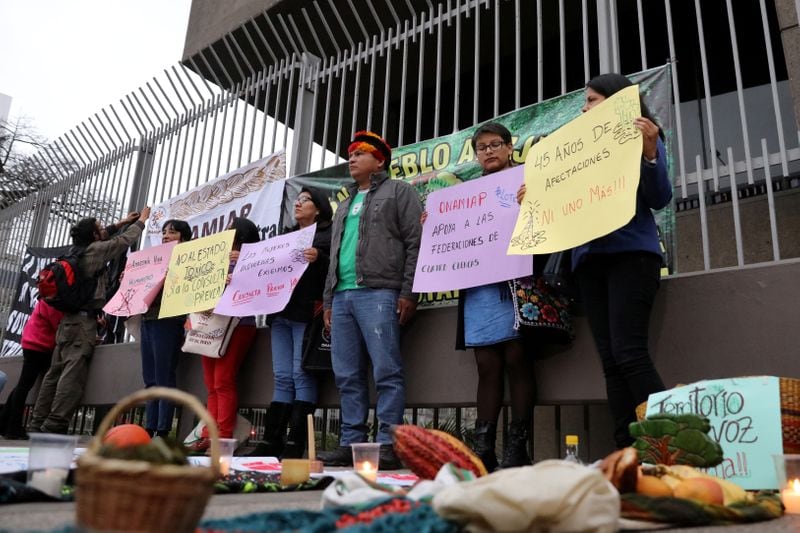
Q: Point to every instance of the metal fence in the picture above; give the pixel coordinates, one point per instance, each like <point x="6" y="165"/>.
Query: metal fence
<point x="305" y="75"/>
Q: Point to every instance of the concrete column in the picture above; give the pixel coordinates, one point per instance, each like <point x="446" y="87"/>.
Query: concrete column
<point x="788" y="14"/>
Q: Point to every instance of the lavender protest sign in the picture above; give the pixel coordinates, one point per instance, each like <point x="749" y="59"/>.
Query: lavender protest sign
<point x="142" y="279"/>
<point x="466" y="234"/>
<point x="265" y="275"/>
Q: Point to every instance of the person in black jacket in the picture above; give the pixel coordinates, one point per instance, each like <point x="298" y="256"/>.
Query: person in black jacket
<point x="295" y="391"/>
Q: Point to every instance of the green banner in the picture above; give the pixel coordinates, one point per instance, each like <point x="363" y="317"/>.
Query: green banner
<point x="448" y="160"/>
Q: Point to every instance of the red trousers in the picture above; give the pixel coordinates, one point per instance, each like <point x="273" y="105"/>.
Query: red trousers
<point x="219" y="376"/>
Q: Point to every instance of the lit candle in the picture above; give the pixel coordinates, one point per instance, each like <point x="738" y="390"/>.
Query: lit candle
<point x="367" y="471"/>
<point x="224" y="466"/>
<point x="791" y="497"/>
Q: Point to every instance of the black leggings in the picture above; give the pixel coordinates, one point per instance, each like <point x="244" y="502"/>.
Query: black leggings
<point x="618" y="291"/>
<point x="493" y="362"/>
<point x="34" y="364"/>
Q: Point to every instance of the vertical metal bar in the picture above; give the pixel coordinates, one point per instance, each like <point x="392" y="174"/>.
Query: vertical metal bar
<point x="496" y="104"/>
<point x="342" y="90"/>
<point x="517" y="55"/>
<point x="476" y="53"/>
<point x="642" y="46"/>
<point x="324" y="20"/>
<point x="437" y="100"/>
<point x="612" y="4"/>
<point x="280" y="76"/>
<point x="264" y="39"/>
<point x="701" y="196"/>
<point x="327" y="115"/>
<point x="457" y="75"/>
<point x="173" y="188"/>
<point x="773" y="83"/>
<point x="289" y="92"/>
<point x="737" y="223"/>
<point x="372" y="68"/>
<point x="676" y="98"/>
<point x="226" y="105"/>
<point x="233" y="123"/>
<point x="739" y="93"/>
<point x="604" y="44"/>
<point x="357" y="89"/>
<point x="773" y="223"/>
<point x="268" y="86"/>
<point x="213" y="134"/>
<point x="403" y="72"/>
<point x="585" y="32"/>
<point x="387" y="84"/>
<point x="707" y="90"/>
<point x="256" y="99"/>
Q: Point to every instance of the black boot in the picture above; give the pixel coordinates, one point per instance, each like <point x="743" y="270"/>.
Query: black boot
<point x="298" y="430"/>
<point x="274" y="431"/>
<point x="485" y="436"/>
<point x="516" y="449"/>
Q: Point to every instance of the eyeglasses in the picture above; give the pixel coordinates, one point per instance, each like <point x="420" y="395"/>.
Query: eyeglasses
<point x="302" y="199"/>
<point x="494" y="145"/>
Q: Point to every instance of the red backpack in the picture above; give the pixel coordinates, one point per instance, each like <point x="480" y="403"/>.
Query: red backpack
<point x="61" y="285"/>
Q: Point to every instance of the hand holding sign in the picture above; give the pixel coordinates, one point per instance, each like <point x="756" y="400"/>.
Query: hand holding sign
<point x="140" y="282"/>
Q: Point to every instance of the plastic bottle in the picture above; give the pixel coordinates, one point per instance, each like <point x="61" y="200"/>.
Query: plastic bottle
<point x="571" y="446"/>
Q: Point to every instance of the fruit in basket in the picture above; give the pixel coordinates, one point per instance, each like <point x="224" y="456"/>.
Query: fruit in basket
<point x="701" y="489"/>
<point x="126" y="435"/>
<point x="425" y="451"/>
<point x="161" y="451"/>
<point x="653" y="486"/>
<point x="676" y="439"/>
<point x="621" y="468"/>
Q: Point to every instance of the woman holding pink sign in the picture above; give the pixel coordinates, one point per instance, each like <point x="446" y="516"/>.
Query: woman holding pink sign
<point x="160" y="345"/>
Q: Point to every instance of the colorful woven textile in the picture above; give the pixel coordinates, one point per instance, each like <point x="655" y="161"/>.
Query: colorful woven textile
<point x="680" y="512"/>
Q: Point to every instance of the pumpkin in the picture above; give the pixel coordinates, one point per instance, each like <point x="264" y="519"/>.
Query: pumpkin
<point x="126" y="435"/>
<point x="425" y="451"/>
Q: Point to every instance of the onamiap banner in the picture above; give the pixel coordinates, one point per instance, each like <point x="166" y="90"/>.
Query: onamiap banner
<point x="254" y="191"/>
<point x="438" y="163"/>
<point x="142" y="279"/>
<point x="466" y="233"/>
<point x="266" y="274"/>
<point x="581" y="181"/>
<point x="25" y="296"/>
<point x="196" y="276"/>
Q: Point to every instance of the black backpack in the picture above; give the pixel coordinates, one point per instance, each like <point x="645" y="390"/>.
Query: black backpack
<point x="62" y="286"/>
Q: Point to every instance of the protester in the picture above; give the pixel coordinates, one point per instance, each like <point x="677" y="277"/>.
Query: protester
<point x="619" y="274"/>
<point x="490" y="322"/>
<point x="111" y="328"/>
<point x="220" y="373"/>
<point x="63" y="385"/>
<point x="374" y="247"/>
<point x="295" y="393"/>
<point x="38" y="341"/>
<point x="161" y="341"/>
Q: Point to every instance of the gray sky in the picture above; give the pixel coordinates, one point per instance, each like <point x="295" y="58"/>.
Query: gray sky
<point x="62" y="60"/>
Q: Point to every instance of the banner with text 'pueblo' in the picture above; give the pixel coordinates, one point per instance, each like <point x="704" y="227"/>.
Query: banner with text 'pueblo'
<point x="745" y="416"/>
<point x="142" y="279"/>
<point x="581" y="180"/>
<point x="196" y="276"/>
<point x="266" y="274"/>
<point x="253" y="192"/>
<point x="465" y="236"/>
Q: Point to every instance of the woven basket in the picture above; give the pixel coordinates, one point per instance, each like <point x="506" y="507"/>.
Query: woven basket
<point x="120" y="495"/>
<point x="790" y="414"/>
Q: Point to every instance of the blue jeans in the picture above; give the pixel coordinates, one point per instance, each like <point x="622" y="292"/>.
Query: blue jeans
<point x="161" y="343"/>
<point x="291" y="381"/>
<point x="367" y="318"/>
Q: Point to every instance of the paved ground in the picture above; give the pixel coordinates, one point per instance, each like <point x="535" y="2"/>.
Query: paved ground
<point x="45" y="516"/>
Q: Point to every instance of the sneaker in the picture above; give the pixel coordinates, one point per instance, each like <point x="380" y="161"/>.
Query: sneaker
<point x="388" y="460"/>
<point x="339" y="456"/>
<point x="199" y="447"/>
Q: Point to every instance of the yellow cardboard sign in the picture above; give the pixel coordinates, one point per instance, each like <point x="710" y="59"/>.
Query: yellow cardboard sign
<point x="196" y="276"/>
<point x="581" y="180"/>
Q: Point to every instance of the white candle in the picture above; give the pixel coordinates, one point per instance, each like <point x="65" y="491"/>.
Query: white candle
<point x="49" y="480"/>
<point x="367" y="470"/>
<point x="791" y="497"/>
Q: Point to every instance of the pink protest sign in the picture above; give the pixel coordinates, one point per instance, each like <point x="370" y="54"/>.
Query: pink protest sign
<point x="265" y="275"/>
<point x="141" y="281"/>
<point x="466" y="234"/>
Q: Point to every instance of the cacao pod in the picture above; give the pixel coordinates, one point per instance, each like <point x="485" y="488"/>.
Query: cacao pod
<point x="425" y="451"/>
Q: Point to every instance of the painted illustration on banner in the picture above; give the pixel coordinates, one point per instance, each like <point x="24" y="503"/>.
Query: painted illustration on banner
<point x="210" y="207"/>
<point x="465" y="236"/>
<point x="581" y="180"/>
<point x="142" y="279"/>
<point x="266" y="274"/>
<point x="745" y="416"/>
<point x="197" y="273"/>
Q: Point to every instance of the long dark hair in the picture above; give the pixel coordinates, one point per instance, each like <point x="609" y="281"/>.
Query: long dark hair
<point x="181" y="226"/>
<point x="246" y="231"/>
<point x="611" y="83"/>
<point x="83" y="232"/>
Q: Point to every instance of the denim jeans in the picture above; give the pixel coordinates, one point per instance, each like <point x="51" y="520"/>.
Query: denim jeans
<point x="161" y="344"/>
<point x="291" y="381"/>
<point x="367" y="318"/>
<point x="618" y="291"/>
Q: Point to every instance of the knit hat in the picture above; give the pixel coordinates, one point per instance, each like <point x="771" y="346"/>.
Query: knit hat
<point x="372" y="143"/>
